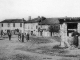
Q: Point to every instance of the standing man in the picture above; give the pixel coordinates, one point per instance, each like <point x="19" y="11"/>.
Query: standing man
<point x="1" y="33"/>
<point x="22" y="37"/>
<point x="75" y="35"/>
<point x="27" y="36"/>
<point x="9" y="35"/>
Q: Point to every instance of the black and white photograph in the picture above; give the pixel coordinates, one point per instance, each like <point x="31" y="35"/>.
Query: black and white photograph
<point x="39" y="29"/>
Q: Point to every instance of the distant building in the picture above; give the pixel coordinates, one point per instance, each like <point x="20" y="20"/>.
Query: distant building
<point x="69" y="24"/>
<point x="44" y="25"/>
<point x="31" y="26"/>
<point x="40" y="26"/>
<point x="12" y="24"/>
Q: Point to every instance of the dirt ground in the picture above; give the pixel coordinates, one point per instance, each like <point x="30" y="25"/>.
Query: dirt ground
<point x="35" y="49"/>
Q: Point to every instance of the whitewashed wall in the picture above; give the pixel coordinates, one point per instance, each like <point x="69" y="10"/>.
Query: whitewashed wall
<point x="31" y="27"/>
<point x="78" y="27"/>
<point x="5" y="27"/>
<point x="44" y="33"/>
<point x="63" y="33"/>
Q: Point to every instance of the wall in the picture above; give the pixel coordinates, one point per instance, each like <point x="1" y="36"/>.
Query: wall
<point x="63" y="33"/>
<point x="31" y="27"/>
<point x="78" y="26"/>
<point x="45" y="32"/>
<point x="5" y="27"/>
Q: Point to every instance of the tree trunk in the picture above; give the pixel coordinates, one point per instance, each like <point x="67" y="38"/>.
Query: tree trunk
<point x="51" y="34"/>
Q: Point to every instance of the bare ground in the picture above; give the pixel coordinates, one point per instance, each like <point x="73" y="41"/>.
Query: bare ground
<point x="35" y="50"/>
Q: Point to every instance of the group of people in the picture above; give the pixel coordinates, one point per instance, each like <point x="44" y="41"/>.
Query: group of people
<point x="9" y="35"/>
<point x="21" y="36"/>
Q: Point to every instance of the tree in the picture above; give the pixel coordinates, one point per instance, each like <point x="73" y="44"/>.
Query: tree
<point x="51" y="29"/>
<point x="54" y="28"/>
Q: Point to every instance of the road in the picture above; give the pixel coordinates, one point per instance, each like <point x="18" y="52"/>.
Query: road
<point x="32" y="50"/>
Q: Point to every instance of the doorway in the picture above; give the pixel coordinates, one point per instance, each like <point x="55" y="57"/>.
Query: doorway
<point x="71" y="27"/>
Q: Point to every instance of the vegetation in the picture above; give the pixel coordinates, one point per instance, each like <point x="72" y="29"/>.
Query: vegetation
<point x="54" y="28"/>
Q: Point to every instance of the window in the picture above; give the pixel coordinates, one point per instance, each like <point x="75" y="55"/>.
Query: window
<point x="20" y="24"/>
<point x="13" y="24"/>
<point x="8" y="24"/>
<point x="2" y="24"/>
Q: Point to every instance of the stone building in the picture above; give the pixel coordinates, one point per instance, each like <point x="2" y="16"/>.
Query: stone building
<point x="67" y="26"/>
<point x="12" y="24"/>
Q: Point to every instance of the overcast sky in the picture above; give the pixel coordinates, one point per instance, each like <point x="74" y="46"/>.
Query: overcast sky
<point x="34" y="8"/>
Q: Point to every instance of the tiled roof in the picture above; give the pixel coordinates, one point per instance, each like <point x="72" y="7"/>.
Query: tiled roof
<point x="49" y="21"/>
<point x="33" y="20"/>
<point x="13" y="21"/>
<point x="69" y="19"/>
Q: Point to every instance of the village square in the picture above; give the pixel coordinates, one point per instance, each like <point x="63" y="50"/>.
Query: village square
<point x="40" y="38"/>
<point x="39" y="29"/>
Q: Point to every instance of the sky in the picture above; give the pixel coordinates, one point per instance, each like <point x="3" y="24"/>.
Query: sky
<point x="11" y="9"/>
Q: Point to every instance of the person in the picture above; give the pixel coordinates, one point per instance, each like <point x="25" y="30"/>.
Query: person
<point x="19" y="36"/>
<point x="22" y="37"/>
<point x="1" y="33"/>
<point x="27" y="36"/>
<point x="9" y="35"/>
<point x="75" y="35"/>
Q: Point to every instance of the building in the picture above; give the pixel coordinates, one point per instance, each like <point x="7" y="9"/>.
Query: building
<point x="44" y="26"/>
<point x="12" y="24"/>
<point x="39" y="26"/>
<point x="67" y="26"/>
<point x="31" y="26"/>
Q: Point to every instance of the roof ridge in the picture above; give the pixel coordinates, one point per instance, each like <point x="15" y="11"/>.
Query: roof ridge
<point x="12" y="21"/>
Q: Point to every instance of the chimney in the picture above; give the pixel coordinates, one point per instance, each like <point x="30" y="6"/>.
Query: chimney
<point x="39" y="17"/>
<point x="22" y="18"/>
<point x="29" y="18"/>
